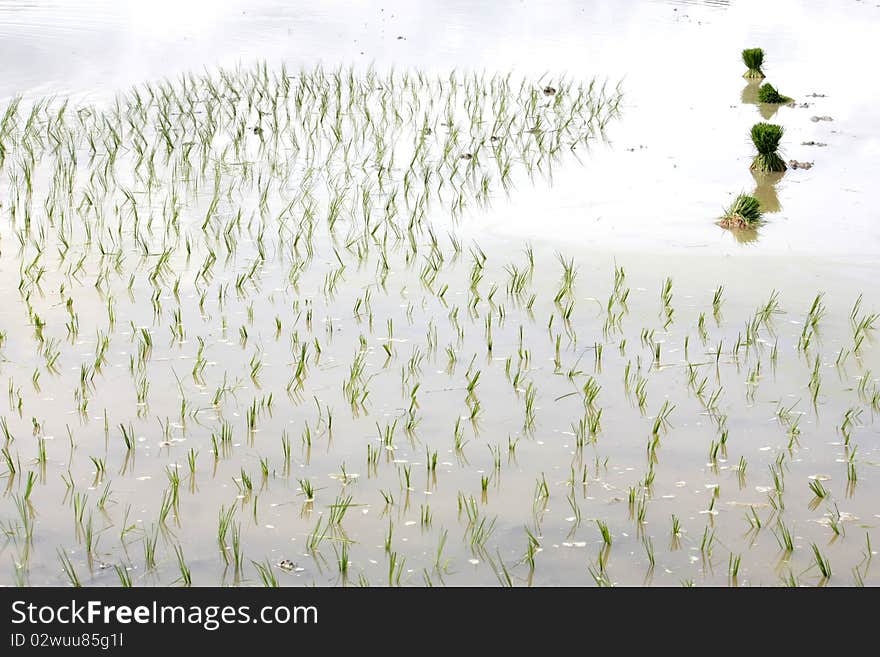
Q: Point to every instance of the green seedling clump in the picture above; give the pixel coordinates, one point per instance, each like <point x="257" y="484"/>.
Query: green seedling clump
<point x="767" y="93"/>
<point x="744" y="212"/>
<point x="753" y="58"/>
<point x="766" y="138"/>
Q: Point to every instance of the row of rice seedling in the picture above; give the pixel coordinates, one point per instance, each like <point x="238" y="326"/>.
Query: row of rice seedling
<point x="246" y="349"/>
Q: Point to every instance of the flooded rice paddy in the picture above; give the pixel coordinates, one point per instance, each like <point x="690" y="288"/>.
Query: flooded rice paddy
<point x="325" y="323"/>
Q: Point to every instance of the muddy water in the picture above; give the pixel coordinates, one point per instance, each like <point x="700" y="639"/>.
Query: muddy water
<point x="644" y="200"/>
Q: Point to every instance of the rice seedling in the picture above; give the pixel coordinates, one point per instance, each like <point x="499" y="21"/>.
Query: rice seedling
<point x="744" y="212"/>
<point x="818" y="489"/>
<point x="707" y="542"/>
<point x="784" y="538"/>
<point x="766" y="138"/>
<point x="338" y="510"/>
<point x="425" y="516"/>
<point x="754" y="519"/>
<point x="273" y="230"/>
<point x="767" y="93"/>
<point x="648" y="544"/>
<point x="185" y="575"/>
<point x="753" y="58"/>
<point x="122" y="572"/>
<point x="501" y="571"/>
<point x="266" y="573"/>
<point x="835" y="521"/>
<point x="821" y="562"/>
<point x="479" y="532"/>
<point x="69" y="571"/>
<point x="605" y="532"/>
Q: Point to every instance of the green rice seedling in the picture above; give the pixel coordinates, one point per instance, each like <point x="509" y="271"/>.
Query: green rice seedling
<point x="818" y="489"/>
<point x="191" y="457"/>
<point x="741" y="468"/>
<point x="542" y="489"/>
<point x="237" y="554"/>
<point x="10" y="462"/>
<point x="851" y="474"/>
<point x="821" y="562"/>
<point x="600" y="577"/>
<point x="104" y="498"/>
<point x="766" y="138"/>
<point x="572" y="502"/>
<point x="753" y="58"/>
<point x="29" y="485"/>
<point x="744" y="212"/>
<point x="89" y="537"/>
<point x="767" y="93"/>
<point x="532" y="548"/>
<point x="7" y="435"/>
<point x="834" y="521"/>
<point x="244" y="483"/>
<point x="125" y="525"/>
<point x="707" y="542"/>
<point x="307" y="489"/>
<point x="733" y="563"/>
<point x="166" y="506"/>
<point x="69" y="570"/>
<point x="662" y="419"/>
<point x="604" y="531"/>
<point x="389" y="535"/>
<point x="343" y="561"/>
<point x="26" y="515"/>
<point x="425" y="516"/>
<point x="753" y="518"/>
<point x="338" y="510"/>
<point x="441" y="565"/>
<point x="266" y="573"/>
<point x="185" y="575"/>
<point x="122" y="572"/>
<point x="128" y="437"/>
<point x="501" y="571"/>
<point x="784" y="538"/>
<point x="480" y="531"/>
<point x="396" y="565"/>
<point x="79" y="506"/>
<point x="642" y="508"/>
<point x="852" y="418"/>
<point x="858" y="578"/>
<point x="224" y="523"/>
<point x="648" y="544"/>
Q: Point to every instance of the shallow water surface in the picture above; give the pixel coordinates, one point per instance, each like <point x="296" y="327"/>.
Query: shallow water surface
<point x="339" y="325"/>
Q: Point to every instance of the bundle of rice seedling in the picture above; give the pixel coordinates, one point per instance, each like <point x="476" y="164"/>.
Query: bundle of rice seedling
<point x="744" y="212"/>
<point x="766" y="138"/>
<point x="753" y="58"/>
<point x="767" y="93"/>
